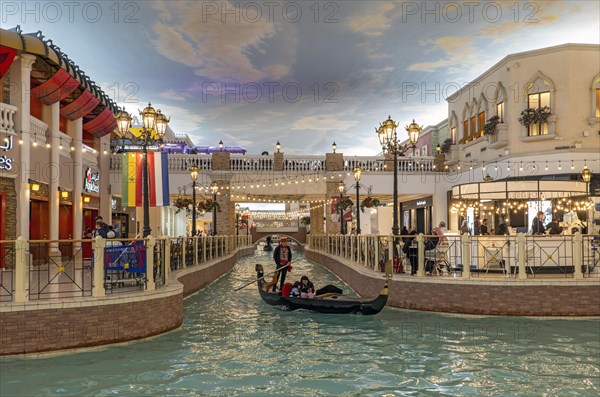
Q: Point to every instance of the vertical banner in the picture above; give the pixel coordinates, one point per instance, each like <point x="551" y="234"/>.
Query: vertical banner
<point x="128" y="176"/>
<point x="158" y="179"/>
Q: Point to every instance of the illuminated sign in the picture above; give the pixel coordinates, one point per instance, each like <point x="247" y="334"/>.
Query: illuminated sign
<point x="90" y="183"/>
<point x="422" y="202"/>
<point x="5" y="161"/>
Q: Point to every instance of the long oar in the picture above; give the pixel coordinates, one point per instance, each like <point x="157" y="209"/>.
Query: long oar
<point x="265" y="275"/>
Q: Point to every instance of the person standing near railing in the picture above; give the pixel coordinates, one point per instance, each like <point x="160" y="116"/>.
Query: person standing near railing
<point x="537" y="226"/>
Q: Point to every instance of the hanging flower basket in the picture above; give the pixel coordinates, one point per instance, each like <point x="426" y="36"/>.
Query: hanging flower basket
<point x="305" y="220"/>
<point x="534" y="116"/>
<point x="446" y="145"/>
<point x="344" y="203"/>
<point x="182" y="203"/>
<point x="490" y="126"/>
<point x="208" y="205"/>
<point x="368" y="203"/>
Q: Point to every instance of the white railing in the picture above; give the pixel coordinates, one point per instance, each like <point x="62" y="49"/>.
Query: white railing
<point x="520" y="257"/>
<point x="38" y="130"/>
<point x="302" y="164"/>
<point x="58" y="269"/>
<point x="7" y="122"/>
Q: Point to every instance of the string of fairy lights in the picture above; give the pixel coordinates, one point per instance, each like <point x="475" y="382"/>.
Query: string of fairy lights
<point x="515" y="206"/>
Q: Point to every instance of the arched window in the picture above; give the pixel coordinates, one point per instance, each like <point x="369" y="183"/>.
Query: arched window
<point x="482" y="107"/>
<point x="499" y="102"/>
<point x="453" y="128"/>
<point x="540" y="91"/>
<point x="596" y="96"/>
<point x="465" y="117"/>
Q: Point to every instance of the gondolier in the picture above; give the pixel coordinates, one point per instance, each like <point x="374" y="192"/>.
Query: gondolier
<point x="282" y="256"/>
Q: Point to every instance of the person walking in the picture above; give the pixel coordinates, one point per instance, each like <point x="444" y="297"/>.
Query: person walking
<point x="282" y="257"/>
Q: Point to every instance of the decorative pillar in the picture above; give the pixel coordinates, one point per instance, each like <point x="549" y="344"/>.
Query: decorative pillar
<point x="333" y="162"/>
<point x="20" y="288"/>
<point x="316" y="219"/>
<point x="465" y="240"/>
<point x="277" y="161"/>
<point x="75" y="131"/>
<point x="521" y="252"/>
<point x="105" y="188"/>
<point x="420" y="255"/>
<point x="20" y="76"/>
<point x="150" y="243"/>
<point x="98" y="274"/>
<point x="577" y="248"/>
<point x="51" y="115"/>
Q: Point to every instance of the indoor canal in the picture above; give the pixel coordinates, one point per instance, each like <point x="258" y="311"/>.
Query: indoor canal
<point x="234" y="344"/>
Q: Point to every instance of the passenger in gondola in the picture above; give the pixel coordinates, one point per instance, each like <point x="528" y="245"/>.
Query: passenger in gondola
<point x="295" y="292"/>
<point x="282" y="257"/>
<point x="307" y="289"/>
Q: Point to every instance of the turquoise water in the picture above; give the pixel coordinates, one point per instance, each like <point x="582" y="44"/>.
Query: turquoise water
<point x="232" y="344"/>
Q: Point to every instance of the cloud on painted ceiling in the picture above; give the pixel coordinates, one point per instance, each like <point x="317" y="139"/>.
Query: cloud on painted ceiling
<point x="221" y="50"/>
<point x="375" y="23"/>
<point x="322" y="123"/>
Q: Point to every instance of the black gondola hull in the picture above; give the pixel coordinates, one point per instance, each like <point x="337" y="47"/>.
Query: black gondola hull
<point x="338" y="305"/>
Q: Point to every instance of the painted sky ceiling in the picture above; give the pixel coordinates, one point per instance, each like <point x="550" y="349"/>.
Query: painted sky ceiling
<point x="302" y="73"/>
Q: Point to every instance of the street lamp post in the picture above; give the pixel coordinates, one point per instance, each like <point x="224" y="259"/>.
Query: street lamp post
<point x="357" y="171"/>
<point x="237" y="219"/>
<point x="247" y="212"/>
<point x="153" y="121"/>
<point x="194" y="175"/>
<point x="214" y="188"/>
<point x="342" y="189"/>
<point x="389" y="142"/>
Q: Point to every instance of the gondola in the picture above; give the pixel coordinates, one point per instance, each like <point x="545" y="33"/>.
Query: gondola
<point x="327" y="303"/>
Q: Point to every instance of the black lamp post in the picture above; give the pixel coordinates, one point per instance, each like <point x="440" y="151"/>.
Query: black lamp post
<point x="194" y="175"/>
<point x="247" y="213"/>
<point x="333" y="147"/>
<point x="214" y="188"/>
<point x="357" y="171"/>
<point x="342" y="189"/>
<point x="152" y="133"/>
<point x="586" y="175"/>
<point x="389" y="142"/>
<point x="237" y="219"/>
<point x="277" y="146"/>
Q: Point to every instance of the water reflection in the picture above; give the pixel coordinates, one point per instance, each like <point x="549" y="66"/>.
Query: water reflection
<point x="232" y="344"/>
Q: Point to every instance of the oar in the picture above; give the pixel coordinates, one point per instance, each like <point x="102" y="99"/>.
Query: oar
<point x="265" y="275"/>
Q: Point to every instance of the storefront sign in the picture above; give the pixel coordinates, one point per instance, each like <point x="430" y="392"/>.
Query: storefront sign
<point x="113" y="204"/>
<point x="91" y="181"/>
<point x="5" y="161"/>
<point x="419" y="203"/>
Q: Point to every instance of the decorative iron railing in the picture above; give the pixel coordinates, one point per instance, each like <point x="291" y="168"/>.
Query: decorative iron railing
<point x="521" y="256"/>
<point x="55" y="274"/>
<point x="7" y="270"/>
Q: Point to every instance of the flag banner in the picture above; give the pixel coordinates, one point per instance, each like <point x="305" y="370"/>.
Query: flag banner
<point x="158" y="179"/>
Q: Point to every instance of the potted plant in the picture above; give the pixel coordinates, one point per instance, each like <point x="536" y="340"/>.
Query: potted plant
<point x="181" y="203"/>
<point x="490" y="126"/>
<point x="208" y="205"/>
<point x="368" y="203"/>
<point x="305" y="220"/>
<point x="446" y="146"/>
<point x="531" y="116"/>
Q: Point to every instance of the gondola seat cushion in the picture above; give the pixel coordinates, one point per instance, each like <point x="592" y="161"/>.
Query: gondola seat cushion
<point x="287" y="288"/>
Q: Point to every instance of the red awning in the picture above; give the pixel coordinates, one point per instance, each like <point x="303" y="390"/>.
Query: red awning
<point x="96" y="124"/>
<point x="7" y="56"/>
<point x="81" y="106"/>
<point x="56" y="88"/>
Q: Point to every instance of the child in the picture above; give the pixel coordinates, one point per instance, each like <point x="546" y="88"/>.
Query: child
<point x="295" y="289"/>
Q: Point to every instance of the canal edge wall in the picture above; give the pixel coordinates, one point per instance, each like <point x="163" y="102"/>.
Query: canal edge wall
<point x="497" y="297"/>
<point x="63" y="324"/>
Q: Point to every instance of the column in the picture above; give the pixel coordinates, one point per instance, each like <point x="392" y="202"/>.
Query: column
<point x="51" y="115"/>
<point x="105" y="188"/>
<point x="75" y="131"/>
<point x="316" y="219"/>
<point x="20" y="75"/>
<point x="333" y="162"/>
